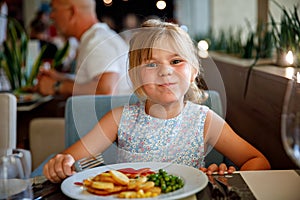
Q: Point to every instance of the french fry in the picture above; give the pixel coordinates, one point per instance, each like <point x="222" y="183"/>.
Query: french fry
<point x="102" y="185"/>
<point x="146" y="186"/>
<point x="116" y="182"/>
<point x="106" y="179"/>
<point x="119" y="177"/>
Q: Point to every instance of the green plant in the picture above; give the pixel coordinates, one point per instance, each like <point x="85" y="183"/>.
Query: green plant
<point x="230" y="42"/>
<point x="14" y="52"/>
<point x="234" y="42"/>
<point x="265" y="42"/>
<point x="249" y="46"/>
<point x="286" y="34"/>
<point x="60" y="55"/>
<point x="13" y="56"/>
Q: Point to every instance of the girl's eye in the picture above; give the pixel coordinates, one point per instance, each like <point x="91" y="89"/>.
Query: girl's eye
<point x="176" y="61"/>
<point x="151" y="65"/>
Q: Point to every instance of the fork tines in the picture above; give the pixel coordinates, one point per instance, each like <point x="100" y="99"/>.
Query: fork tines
<point x="217" y="192"/>
<point x="90" y="162"/>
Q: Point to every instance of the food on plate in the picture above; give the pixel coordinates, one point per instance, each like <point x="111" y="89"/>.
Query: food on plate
<point x="119" y="177"/>
<point x="167" y="182"/>
<point x="131" y="183"/>
<point x="132" y="173"/>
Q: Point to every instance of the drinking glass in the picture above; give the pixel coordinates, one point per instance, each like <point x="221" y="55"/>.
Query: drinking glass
<point x="14" y="180"/>
<point x="290" y="119"/>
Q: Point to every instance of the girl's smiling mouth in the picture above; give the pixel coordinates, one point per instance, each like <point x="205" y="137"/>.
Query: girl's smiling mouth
<point x="166" y="84"/>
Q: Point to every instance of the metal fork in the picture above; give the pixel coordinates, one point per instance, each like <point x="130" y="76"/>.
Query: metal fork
<point x="231" y="193"/>
<point x="89" y="162"/>
<point x="82" y="164"/>
<point x="216" y="191"/>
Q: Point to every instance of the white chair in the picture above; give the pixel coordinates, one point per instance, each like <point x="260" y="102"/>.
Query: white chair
<point x="83" y="112"/>
<point x="8" y="120"/>
<point x="46" y="137"/>
<point x="8" y="126"/>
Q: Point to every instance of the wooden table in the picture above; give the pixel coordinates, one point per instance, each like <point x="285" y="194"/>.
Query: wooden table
<point x="31" y="106"/>
<point x="263" y="185"/>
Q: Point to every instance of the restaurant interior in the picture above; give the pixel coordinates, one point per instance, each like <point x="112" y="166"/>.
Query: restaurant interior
<point x="244" y="72"/>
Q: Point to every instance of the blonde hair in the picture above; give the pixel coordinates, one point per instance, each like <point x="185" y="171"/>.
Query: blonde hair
<point x="168" y="36"/>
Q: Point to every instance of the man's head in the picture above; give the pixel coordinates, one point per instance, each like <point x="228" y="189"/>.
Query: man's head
<point x="38" y="29"/>
<point x="73" y="17"/>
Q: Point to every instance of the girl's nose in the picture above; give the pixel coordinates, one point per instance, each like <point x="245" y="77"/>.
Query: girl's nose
<point x="165" y="70"/>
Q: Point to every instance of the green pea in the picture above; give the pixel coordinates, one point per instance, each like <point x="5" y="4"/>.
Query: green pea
<point x="167" y="182"/>
<point x="157" y="183"/>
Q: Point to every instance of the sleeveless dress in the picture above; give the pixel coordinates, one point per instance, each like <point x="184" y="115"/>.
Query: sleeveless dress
<point x="142" y="138"/>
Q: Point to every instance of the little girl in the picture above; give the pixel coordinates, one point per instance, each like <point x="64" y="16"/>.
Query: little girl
<point x="168" y="124"/>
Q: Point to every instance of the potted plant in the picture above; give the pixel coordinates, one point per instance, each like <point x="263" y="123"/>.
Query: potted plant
<point x="286" y="35"/>
<point x="14" y="54"/>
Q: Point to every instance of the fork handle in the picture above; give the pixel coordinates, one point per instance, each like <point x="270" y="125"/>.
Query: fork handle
<point x="77" y="167"/>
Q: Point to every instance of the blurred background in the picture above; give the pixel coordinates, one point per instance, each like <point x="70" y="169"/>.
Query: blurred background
<point x="199" y="16"/>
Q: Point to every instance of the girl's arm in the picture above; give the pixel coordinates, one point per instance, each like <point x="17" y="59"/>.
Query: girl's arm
<point x="221" y="136"/>
<point x="97" y="140"/>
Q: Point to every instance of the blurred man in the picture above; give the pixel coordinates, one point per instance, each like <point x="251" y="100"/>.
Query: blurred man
<point x="102" y="54"/>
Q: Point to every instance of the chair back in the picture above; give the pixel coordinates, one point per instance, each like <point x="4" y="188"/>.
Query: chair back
<point x="42" y="132"/>
<point x="215" y="104"/>
<point x="8" y="133"/>
<point x="83" y="112"/>
<point x="8" y="121"/>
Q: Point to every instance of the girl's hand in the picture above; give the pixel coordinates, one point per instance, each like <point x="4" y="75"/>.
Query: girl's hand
<point x="221" y="169"/>
<point x="59" y="168"/>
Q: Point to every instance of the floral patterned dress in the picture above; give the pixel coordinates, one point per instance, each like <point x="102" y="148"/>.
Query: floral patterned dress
<point x="142" y="138"/>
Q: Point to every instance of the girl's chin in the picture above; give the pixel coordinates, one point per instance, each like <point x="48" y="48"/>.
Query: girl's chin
<point x="166" y="99"/>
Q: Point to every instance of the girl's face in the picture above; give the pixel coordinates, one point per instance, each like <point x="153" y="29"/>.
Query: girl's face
<point x="166" y="77"/>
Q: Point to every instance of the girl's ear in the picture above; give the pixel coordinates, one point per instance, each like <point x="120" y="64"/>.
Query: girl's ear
<point x="194" y="74"/>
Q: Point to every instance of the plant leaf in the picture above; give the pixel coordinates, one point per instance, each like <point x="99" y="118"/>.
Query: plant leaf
<point x="60" y="54"/>
<point x="248" y="75"/>
<point x="35" y="67"/>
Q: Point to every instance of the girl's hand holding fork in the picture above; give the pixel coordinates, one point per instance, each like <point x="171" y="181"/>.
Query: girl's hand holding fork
<point x="221" y="169"/>
<point x="59" y="167"/>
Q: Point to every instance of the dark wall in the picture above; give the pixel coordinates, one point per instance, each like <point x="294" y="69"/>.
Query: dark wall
<point x="142" y="8"/>
<point x="15" y="9"/>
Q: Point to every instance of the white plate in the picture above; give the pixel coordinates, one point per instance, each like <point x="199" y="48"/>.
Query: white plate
<point x="27" y="98"/>
<point x="194" y="180"/>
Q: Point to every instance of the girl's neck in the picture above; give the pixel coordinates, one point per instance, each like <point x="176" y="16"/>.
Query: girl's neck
<point x="166" y="111"/>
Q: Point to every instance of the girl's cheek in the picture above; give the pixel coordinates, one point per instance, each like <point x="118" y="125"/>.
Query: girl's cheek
<point x="189" y="73"/>
<point x="147" y="77"/>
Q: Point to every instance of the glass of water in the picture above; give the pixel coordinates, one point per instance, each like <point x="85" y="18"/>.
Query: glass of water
<point x="14" y="178"/>
<point x="290" y="119"/>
